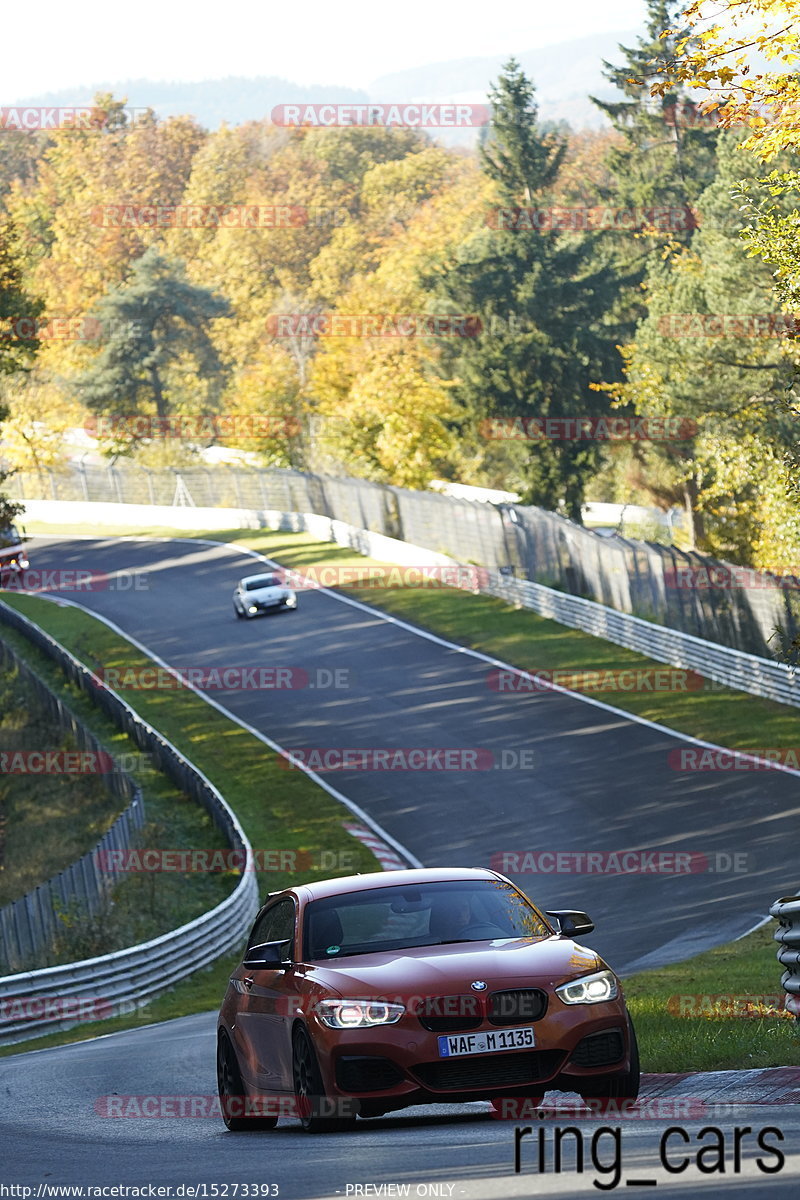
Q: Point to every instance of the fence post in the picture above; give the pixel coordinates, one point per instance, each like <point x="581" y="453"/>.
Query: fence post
<point x="787" y="913"/>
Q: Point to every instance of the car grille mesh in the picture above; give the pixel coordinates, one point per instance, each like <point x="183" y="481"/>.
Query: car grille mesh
<point x="503" y="1070"/>
<point x="517" y="1007"/>
<point x="446" y="1014"/>
<point x="599" y="1049"/>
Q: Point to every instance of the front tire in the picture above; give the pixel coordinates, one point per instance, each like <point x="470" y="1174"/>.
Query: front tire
<point x="309" y="1090"/>
<point x="232" y="1095"/>
<point x="238" y="612"/>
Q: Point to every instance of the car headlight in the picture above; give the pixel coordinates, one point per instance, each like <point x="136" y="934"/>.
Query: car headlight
<point x="358" y="1014"/>
<point x="591" y="989"/>
<point x="252" y="608"/>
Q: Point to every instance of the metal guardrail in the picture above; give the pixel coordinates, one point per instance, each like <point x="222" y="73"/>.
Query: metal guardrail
<point x="29" y="925"/>
<point x="126" y="977"/>
<point x="787" y="912"/>
<point x="733" y="668"/>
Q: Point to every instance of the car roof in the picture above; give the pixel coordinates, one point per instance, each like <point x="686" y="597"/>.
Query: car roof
<point x="323" y="888"/>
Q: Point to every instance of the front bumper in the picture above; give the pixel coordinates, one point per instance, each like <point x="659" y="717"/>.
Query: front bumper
<point x="262" y="606"/>
<point x="400" y="1064"/>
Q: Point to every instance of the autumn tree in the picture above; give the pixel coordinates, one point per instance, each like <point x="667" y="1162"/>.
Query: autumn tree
<point x="382" y="407"/>
<point x="711" y="353"/>
<point x="541" y="297"/>
<point x="662" y="159"/>
<point x="18" y="344"/>
<point x="19" y="312"/>
<point x="743" y="56"/>
<point x="157" y="356"/>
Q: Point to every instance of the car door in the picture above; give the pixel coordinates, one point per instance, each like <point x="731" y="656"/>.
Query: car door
<point x="268" y="1004"/>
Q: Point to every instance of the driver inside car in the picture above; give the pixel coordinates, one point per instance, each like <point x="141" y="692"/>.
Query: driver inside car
<point x="450" y="917"/>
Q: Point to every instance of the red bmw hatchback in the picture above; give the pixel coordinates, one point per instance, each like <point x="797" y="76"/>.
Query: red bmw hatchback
<point x="360" y="995"/>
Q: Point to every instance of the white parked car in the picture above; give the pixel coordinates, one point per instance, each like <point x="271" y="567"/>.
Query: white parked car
<point x="262" y="593"/>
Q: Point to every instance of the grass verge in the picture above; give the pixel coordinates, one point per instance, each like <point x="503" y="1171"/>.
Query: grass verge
<point x="46" y="837"/>
<point x="47" y="820"/>
<point x="278" y="809"/>
<point x="705" y="989"/>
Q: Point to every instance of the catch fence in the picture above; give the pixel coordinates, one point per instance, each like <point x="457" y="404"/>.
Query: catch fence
<point x="754" y="612"/>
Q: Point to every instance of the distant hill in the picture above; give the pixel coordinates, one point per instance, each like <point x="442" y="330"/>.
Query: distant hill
<point x="211" y="101"/>
<point x="565" y="75"/>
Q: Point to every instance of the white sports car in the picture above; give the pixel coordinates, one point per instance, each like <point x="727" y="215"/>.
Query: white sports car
<point x="262" y="593"/>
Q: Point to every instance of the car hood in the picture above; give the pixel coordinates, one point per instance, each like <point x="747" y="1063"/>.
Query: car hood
<point x="451" y="969"/>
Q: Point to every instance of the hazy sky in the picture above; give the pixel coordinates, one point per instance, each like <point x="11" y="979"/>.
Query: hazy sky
<point x="349" y="42"/>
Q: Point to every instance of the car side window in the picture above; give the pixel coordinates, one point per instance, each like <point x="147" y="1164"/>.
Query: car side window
<point x="275" y="924"/>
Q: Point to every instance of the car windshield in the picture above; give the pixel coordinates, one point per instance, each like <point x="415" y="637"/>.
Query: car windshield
<point x="9" y="536"/>
<point x="429" y="914"/>
<point x="261" y="581"/>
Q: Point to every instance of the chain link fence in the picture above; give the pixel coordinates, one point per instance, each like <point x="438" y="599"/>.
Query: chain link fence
<point x="29" y="927"/>
<point x="751" y="611"/>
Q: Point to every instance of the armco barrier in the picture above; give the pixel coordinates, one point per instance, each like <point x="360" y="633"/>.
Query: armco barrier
<point x="734" y="668"/>
<point x="127" y="977"/>
<point x="29" y="925"/>
<point x="787" y="913"/>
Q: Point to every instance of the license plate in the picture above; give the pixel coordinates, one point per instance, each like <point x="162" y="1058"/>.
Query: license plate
<point x="454" y="1044"/>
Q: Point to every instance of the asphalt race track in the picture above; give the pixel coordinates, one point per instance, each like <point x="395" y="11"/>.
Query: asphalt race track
<point x="598" y="782"/>
<point x="52" y="1134"/>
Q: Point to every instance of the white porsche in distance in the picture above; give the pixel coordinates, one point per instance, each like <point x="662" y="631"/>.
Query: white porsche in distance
<point x="261" y="593"/>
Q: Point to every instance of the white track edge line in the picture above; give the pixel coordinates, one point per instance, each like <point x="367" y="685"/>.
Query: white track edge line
<point x="351" y="805"/>
<point x="548" y="685"/>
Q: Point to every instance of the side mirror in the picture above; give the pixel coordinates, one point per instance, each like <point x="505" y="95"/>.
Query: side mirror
<point x="571" y="922"/>
<point x="268" y="956"/>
